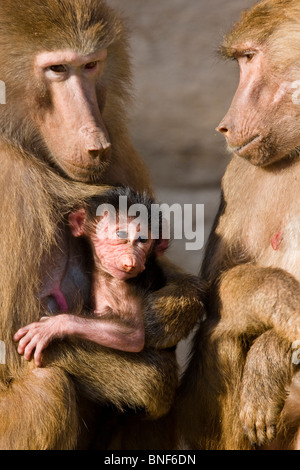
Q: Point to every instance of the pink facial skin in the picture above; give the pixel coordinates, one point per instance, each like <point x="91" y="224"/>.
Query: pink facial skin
<point x="73" y="127"/>
<point x="250" y="132"/>
<point x="119" y="248"/>
<point x="122" y="253"/>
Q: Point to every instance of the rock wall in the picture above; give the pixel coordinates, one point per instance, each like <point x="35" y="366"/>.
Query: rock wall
<point x="182" y="91"/>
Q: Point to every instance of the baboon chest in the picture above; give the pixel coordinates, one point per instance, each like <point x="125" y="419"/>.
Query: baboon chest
<point x="262" y="214"/>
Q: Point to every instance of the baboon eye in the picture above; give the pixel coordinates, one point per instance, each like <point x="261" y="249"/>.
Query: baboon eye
<point x="91" y="65"/>
<point x="249" y="55"/>
<point x="122" y="234"/>
<point x="142" y="239"/>
<point x="58" y="68"/>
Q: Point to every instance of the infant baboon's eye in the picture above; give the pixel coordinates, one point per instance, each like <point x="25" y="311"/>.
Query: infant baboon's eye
<point x="142" y="239"/>
<point x="122" y="234"/>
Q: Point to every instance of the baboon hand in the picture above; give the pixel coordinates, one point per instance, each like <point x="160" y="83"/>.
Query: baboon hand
<point x="37" y="336"/>
<point x="267" y="373"/>
<point x="259" y="420"/>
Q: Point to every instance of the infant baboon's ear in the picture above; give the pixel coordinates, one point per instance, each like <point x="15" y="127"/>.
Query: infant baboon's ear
<point x="77" y="221"/>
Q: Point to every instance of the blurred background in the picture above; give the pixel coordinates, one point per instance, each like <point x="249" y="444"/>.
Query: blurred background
<point x="182" y="91"/>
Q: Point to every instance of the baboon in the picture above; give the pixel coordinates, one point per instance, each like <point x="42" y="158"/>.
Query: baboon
<point x="64" y="135"/>
<point x="240" y="390"/>
<point x="125" y="270"/>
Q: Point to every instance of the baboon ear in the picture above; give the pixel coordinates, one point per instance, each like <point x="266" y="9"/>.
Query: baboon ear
<point x="77" y="222"/>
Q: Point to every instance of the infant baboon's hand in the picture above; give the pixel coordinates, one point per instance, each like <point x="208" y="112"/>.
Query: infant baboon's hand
<point x="37" y="336"/>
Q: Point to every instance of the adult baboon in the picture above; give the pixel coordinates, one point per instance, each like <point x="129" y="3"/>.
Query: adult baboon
<point x="234" y="392"/>
<point x="67" y="75"/>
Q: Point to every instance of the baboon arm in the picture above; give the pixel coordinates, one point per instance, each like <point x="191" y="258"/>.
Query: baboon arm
<point x="267" y="373"/>
<point x="171" y="312"/>
<point x="253" y="299"/>
<point x="145" y="380"/>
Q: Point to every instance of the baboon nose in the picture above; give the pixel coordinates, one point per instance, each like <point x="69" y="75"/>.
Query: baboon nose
<point x="95" y="142"/>
<point x="222" y="128"/>
<point x="94" y="153"/>
<point x="103" y="153"/>
<point x="127" y="268"/>
<point x="129" y="264"/>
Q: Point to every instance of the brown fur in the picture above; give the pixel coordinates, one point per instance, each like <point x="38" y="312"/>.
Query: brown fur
<point x="49" y="408"/>
<point x="239" y="390"/>
<point x="47" y="26"/>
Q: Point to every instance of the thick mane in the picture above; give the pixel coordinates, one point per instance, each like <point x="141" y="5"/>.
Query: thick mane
<point x="259" y="23"/>
<point x="81" y="25"/>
